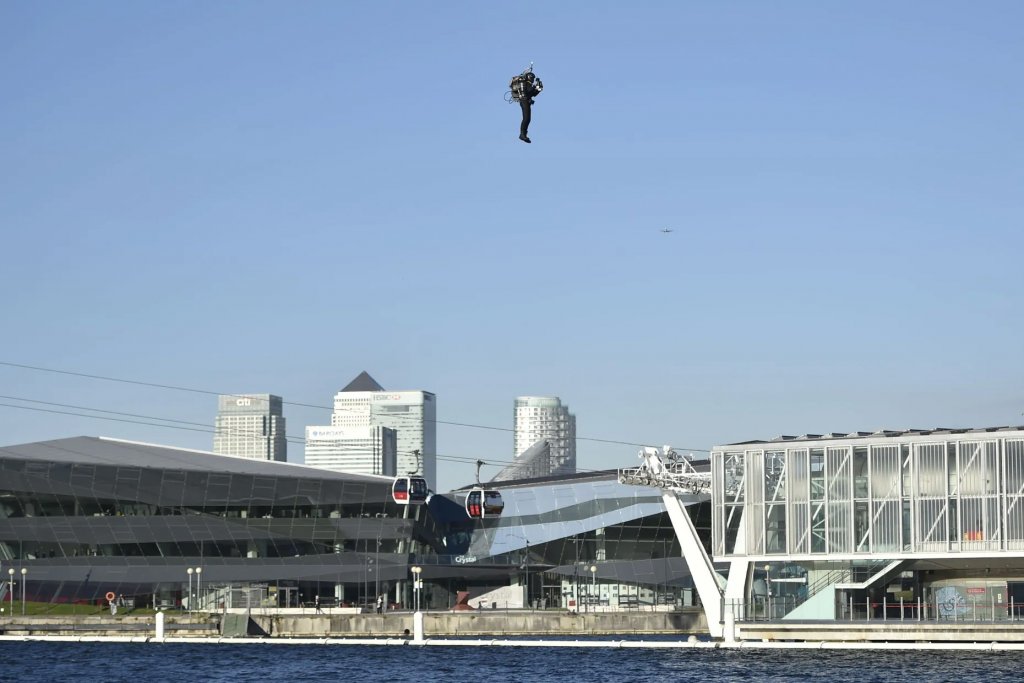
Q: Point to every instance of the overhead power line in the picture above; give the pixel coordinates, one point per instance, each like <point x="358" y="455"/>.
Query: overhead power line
<point x="206" y="429"/>
<point x="204" y="425"/>
<point x="208" y="392"/>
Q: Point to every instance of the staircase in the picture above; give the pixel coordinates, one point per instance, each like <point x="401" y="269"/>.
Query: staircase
<point x="856" y="577"/>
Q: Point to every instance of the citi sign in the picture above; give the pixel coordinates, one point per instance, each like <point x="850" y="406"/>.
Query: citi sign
<point x="387" y="397"/>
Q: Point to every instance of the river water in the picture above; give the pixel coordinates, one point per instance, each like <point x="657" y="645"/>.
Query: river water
<point x="156" y="663"/>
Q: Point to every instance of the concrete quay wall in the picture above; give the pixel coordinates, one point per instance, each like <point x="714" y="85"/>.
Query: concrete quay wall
<point x="67" y="625"/>
<point x="484" y="623"/>
<point x="392" y="625"/>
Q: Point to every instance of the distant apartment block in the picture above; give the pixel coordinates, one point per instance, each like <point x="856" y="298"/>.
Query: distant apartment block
<point x="545" y="419"/>
<point x="250" y="426"/>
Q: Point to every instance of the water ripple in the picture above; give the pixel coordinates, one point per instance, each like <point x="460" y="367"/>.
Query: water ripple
<point x="26" y="662"/>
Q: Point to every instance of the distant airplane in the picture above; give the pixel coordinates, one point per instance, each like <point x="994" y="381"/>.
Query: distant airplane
<point x="666" y="230"/>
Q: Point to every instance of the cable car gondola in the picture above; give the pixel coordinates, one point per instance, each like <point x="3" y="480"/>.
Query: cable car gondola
<point x="409" y="490"/>
<point x="481" y="502"/>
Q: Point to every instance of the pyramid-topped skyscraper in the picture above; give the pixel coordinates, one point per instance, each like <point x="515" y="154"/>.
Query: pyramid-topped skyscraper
<point x="366" y="417"/>
<point x="363" y="382"/>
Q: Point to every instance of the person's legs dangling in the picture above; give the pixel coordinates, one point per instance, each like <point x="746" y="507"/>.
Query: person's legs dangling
<point x="524" y="127"/>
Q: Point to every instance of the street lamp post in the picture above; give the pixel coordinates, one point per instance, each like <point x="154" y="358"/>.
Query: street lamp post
<point x="576" y="586"/>
<point x="576" y="540"/>
<point x="189" y="572"/>
<point x="417" y="584"/>
<point x="768" y="592"/>
<point x="369" y="566"/>
<point x="376" y="575"/>
<point x="528" y="574"/>
<point x="199" y="583"/>
<point x="593" y="582"/>
<point x="10" y="573"/>
<point x="524" y="565"/>
<point x="24" y="571"/>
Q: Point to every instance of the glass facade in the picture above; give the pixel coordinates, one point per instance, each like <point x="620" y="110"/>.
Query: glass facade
<point x="86" y="516"/>
<point x="891" y="494"/>
<point x="90" y="515"/>
<point x="560" y="527"/>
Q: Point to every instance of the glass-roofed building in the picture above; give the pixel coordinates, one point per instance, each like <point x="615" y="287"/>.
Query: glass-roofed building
<point x="924" y="521"/>
<point x="579" y="540"/>
<point x="85" y="516"/>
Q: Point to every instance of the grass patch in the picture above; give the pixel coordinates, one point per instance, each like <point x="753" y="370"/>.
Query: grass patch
<point x="46" y="609"/>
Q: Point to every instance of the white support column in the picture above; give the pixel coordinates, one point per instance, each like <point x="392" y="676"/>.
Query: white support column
<point x="705" y="579"/>
<point x="739" y="565"/>
<point x="740" y="575"/>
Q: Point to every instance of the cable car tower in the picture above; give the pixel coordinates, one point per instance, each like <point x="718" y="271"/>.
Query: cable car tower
<point x="676" y="477"/>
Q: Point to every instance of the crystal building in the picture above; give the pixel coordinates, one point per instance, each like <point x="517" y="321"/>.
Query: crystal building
<point x="534" y="462"/>
<point x="88" y="515"/>
<point x="583" y="539"/>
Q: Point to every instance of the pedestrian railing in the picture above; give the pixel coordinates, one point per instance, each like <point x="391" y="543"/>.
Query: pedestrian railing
<point x="992" y="609"/>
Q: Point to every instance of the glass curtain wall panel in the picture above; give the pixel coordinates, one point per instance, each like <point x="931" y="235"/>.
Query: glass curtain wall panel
<point x="839" y="500"/>
<point x="886" y="498"/>
<point x="977" y="485"/>
<point x="860" y="477"/>
<point x="931" y="498"/>
<point x="755" y="521"/>
<point x="817" y="495"/>
<point x="798" y="487"/>
<point x="717" y="505"/>
<point x="1013" y="485"/>
<point x="734" y="494"/>
<point x="907" y="487"/>
<point x="776" y="486"/>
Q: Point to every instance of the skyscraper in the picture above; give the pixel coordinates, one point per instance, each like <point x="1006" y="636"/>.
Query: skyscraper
<point x="544" y="418"/>
<point x="356" y="450"/>
<point x="250" y="426"/>
<point x="363" y="403"/>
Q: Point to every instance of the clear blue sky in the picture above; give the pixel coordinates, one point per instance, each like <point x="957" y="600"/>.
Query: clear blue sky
<point x="275" y="196"/>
